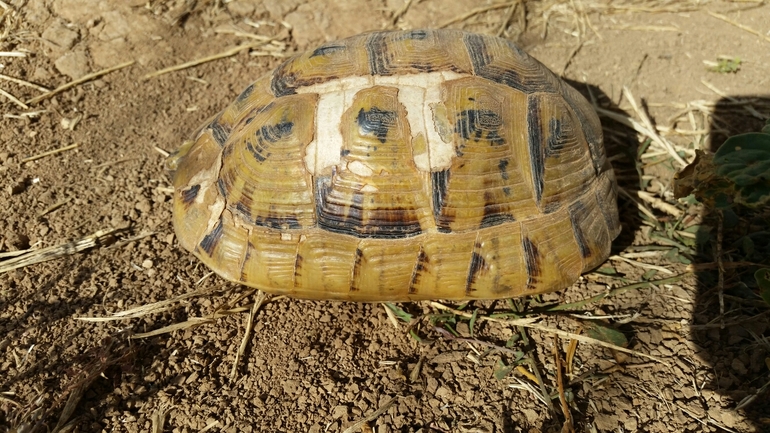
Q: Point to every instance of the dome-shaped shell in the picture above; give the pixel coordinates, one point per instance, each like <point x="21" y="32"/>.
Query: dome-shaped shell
<point x="423" y="164"/>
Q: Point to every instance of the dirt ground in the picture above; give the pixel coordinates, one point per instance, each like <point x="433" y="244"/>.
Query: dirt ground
<point x="321" y="366"/>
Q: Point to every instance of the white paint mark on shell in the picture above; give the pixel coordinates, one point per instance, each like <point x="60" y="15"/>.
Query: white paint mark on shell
<point x="418" y="93"/>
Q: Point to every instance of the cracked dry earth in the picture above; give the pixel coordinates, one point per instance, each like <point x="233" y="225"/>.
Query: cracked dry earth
<point x="321" y="366"/>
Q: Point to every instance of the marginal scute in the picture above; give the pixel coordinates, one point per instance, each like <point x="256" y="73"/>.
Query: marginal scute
<point x="500" y="61"/>
<point x="394" y="166"/>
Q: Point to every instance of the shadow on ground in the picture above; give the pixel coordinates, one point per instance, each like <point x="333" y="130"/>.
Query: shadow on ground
<point x="733" y="334"/>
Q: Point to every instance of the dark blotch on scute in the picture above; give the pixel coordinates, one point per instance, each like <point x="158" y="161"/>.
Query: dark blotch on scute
<point x="419" y="268"/>
<point x="245" y="94"/>
<point x="440" y="181"/>
<point x="266" y="136"/>
<point x="219" y="132"/>
<point x="477" y="265"/>
<point x="274" y="222"/>
<point x="532" y="260"/>
<point x="503" y="166"/>
<point x="555" y="137"/>
<point x="536" y="152"/>
<point x="480" y="124"/>
<point x="325" y="50"/>
<point x="577" y="214"/>
<point x="188" y="195"/>
<point x="415" y="34"/>
<point x="211" y="240"/>
<point x="376" y="122"/>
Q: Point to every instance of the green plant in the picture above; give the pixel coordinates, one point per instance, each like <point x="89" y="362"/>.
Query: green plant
<point x="726" y="65"/>
<point x="738" y="173"/>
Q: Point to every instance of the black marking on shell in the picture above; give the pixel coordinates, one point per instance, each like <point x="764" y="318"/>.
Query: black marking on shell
<point x="188" y="195"/>
<point x="353" y="220"/>
<point x="278" y="222"/>
<point x="414" y="34"/>
<point x="494" y="218"/>
<point x="222" y="187"/>
<point x="245" y="94"/>
<point x="419" y="267"/>
<point x="344" y="152"/>
<point x="325" y="50"/>
<point x="376" y="122"/>
<point x="356" y="270"/>
<point x="503" y="167"/>
<point x="266" y="136"/>
<point x="477" y="265"/>
<point x="211" y="240"/>
<point x="284" y="83"/>
<point x="555" y="141"/>
<point x="536" y="153"/>
<point x="244" y="204"/>
<point x="247" y="256"/>
<point x="440" y="184"/>
<point x="485" y="67"/>
<point x="577" y="215"/>
<point x="297" y="266"/>
<point x="219" y="132"/>
<point x="532" y="260"/>
<point x="377" y="52"/>
<point x="480" y="124"/>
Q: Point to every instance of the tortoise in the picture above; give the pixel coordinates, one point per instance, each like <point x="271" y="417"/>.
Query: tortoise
<point x="397" y="166"/>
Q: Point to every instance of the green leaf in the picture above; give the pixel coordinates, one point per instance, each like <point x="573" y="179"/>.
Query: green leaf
<point x="472" y="323"/>
<point x="401" y="314"/>
<point x="502" y="370"/>
<point x="605" y="334"/>
<point x="763" y="280"/>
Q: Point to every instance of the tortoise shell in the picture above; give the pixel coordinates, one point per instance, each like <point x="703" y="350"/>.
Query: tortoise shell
<point x="405" y="165"/>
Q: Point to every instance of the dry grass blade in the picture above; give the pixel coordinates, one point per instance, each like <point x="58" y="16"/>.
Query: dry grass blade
<point x="24" y="83"/>
<point x="642" y="265"/>
<point x="400" y="13"/>
<point x="228" y="53"/>
<point x="14" y="99"/>
<point x="650" y="130"/>
<point x="476" y="11"/>
<point x="568" y="424"/>
<point x="371" y="417"/>
<point x="78" y="82"/>
<point x="249" y="325"/>
<point x="660" y="204"/>
<point x="143" y="310"/>
<point x="100" y="238"/>
<point x="50" y="152"/>
<point x="522" y="322"/>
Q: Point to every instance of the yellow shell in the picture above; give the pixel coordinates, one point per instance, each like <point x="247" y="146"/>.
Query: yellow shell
<point x="423" y="164"/>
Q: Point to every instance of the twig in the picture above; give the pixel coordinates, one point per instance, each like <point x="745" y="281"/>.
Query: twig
<point x="101" y="237"/>
<point x="50" y="152"/>
<point x="79" y="81"/>
<point x="400" y="13"/>
<point x="24" y="83"/>
<point x="231" y="52"/>
<point x="650" y="129"/>
<point x="642" y="265"/>
<point x="249" y="325"/>
<point x="14" y="99"/>
<point x="507" y="19"/>
<point x="371" y="417"/>
<point x="570" y="427"/>
<point x="659" y="204"/>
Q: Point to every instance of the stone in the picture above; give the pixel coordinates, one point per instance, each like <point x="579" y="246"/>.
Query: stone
<point x="73" y="64"/>
<point x="59" y="36"/>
